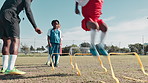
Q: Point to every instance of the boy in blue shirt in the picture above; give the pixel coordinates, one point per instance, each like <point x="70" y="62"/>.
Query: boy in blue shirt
<point x="54" y="40"/>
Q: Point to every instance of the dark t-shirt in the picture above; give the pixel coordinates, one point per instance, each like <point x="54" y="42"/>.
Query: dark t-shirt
<point x="18" y="6"/>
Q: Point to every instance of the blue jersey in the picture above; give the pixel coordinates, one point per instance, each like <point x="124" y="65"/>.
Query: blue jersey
<point x="55" y="36"/>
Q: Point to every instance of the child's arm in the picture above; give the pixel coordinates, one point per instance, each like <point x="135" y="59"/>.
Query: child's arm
<point x="76" y="8"/>
<point x="48" y="40"/>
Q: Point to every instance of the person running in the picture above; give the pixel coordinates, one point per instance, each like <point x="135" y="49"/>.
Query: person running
<point x="91" y="11"/>
<point x="10" y="32"/>
<point x="54" y="41"/>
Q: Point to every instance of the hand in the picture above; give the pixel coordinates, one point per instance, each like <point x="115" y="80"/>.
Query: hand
<point x="38" y="30"/>
<point x="50" y="45"/>
<point x="77" y="11"/>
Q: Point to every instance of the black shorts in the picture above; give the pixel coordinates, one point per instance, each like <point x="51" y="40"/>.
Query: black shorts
<point x="9" y="24"/>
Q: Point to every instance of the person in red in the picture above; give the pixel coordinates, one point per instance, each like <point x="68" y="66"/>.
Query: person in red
<point x="91" y="11"/>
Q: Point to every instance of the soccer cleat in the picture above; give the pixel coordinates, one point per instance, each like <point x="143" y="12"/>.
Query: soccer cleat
<point x="14" y="72"/>
<point x="2" y="70"/>
<point x="101" y="50"/>
<point x="94" y="51"/>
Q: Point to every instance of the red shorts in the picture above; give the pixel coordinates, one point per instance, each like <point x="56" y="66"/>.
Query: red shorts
<point x="91" y="12"/>
<point x="84" y="21"/>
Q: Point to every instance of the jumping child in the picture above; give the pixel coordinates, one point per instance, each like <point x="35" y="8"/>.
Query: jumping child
<point x="91" y="11"/>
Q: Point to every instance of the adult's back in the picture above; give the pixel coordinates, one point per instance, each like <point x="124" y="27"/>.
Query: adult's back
<point x="17" y="5"/>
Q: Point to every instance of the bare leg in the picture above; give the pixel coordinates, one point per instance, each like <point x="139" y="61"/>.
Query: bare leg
<point x="13" y="52"/>
<point x="92" y="25"/>
<point x="5" y="53"/>
<point x="6" y="46"/>
<point x="15" y="43"/>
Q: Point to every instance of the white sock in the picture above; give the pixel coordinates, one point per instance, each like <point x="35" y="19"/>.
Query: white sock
<point x="48" y="58"/>
<point x="58" y="58"/>
<point x="5" y="61"/>
<point x="93" y="35"/>
<point x="103" y="35"/>
<point x="12" y="61"/>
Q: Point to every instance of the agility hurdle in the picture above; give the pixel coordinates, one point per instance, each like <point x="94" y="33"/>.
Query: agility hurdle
<point x="52" y="60"/>
<point x="139" y="61"/>
<point x="71" y="62"/>
<point x="112" y="71"/>
<point x="109" y="59"/>
<point x="79" y="73"/>
<point x="99" y="59"/>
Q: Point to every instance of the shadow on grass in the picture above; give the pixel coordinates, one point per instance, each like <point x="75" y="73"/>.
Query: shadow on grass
<point x="31" y="66"/>
<point x="12" y="77"/>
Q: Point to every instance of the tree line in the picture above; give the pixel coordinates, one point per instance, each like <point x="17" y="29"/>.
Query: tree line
<point x="138" y="48"/>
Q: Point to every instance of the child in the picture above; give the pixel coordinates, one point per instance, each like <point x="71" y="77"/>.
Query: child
<point x="54" y="41"/>
<point x="10" y="32"/>
<point x="91" y="10"/>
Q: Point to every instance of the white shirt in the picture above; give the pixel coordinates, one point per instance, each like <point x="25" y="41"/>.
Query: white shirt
<point x="82" y="2"/>
<point x="48" y="33"/>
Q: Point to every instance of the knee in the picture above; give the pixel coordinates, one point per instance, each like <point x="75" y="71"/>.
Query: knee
<point x="93" y="25"/>
<point x="14" y="52"/>
<point x="5" y="52"/>
<point x="103" y="27"/>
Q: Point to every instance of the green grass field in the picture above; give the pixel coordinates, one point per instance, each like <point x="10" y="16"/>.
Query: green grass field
<point x="38" y="72"/>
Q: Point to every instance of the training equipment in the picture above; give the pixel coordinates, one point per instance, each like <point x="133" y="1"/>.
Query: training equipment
<point x="139" y="61"/>
<point x="112" y="71"/>
<point x="109" y="60"/>
<point x="138" y="58"/>
<point x="51" y="62"/>
<point x="14" y="72"/>
<point x="86" y="53"/>
<point x="78" y="71"/>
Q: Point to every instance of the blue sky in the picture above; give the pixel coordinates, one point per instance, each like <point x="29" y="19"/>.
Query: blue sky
<point x="126" y="20"/>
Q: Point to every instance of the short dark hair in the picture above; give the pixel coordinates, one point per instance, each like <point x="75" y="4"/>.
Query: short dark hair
<point x="55" y="21"/>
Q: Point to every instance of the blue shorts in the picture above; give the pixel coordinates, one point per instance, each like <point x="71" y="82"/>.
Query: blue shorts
<point x="55" y="48"/>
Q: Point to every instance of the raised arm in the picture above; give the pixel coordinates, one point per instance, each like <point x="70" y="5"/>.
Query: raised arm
<point x="76" y="8"/>
<point x="30" y="16"/>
